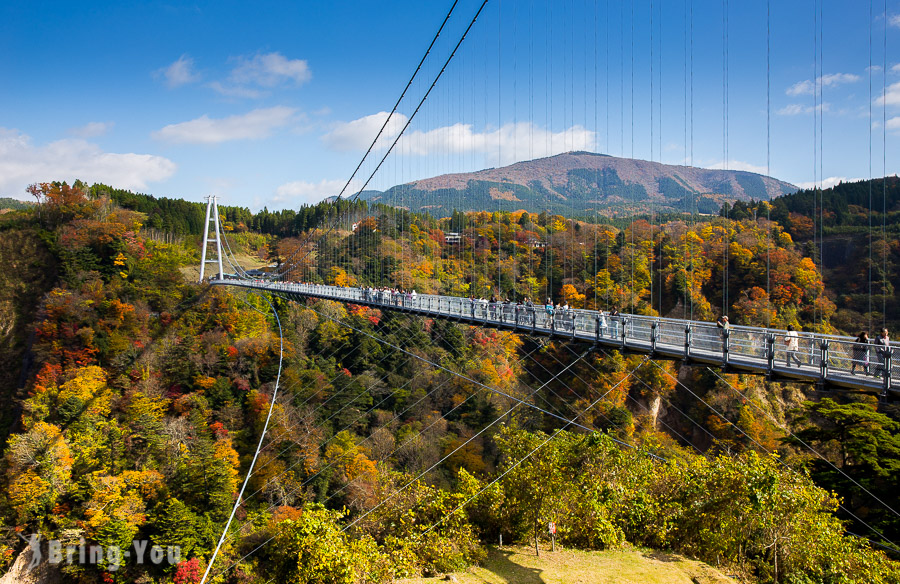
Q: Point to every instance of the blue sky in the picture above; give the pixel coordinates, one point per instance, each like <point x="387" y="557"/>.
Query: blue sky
<point x="273" y="104"/>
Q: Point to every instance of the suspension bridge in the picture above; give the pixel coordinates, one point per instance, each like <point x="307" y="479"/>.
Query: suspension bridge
<point x="457" y="76"/>
<point x="826" y="360"/>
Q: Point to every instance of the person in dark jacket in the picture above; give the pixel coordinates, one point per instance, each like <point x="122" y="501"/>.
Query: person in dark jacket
<point x="882" y="350"/>
<point x="860" y="353"/>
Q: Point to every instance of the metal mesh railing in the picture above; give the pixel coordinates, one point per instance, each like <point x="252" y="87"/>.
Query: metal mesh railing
<point x="765" y="349"/>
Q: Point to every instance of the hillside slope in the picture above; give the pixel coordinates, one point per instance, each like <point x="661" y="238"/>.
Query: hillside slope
<point x="583" y="183"/>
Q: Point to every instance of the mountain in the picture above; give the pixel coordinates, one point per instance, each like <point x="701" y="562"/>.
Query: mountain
<point x="583" y="183"/>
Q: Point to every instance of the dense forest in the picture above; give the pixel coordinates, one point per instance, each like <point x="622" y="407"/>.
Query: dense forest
<point x="399" y="445"/>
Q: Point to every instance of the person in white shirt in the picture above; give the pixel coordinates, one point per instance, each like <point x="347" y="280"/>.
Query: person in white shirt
<point x="792" y="345"/>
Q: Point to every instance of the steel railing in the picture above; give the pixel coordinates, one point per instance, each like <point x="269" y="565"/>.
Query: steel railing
<point x="821" y="357"/>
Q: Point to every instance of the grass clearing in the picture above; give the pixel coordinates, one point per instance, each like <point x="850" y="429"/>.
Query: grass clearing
<point x="519" y="565"/>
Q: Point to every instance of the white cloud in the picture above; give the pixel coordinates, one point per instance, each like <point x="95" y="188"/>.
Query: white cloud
<point x="804" y="87"/>
<point x="895" y="68"/>
<point x="235" y="90"/>
<point x="827" y="183"/>
<point x="358" y="134"/>
<point x="179" y="73"/>
<point x="261" y="70"/>
<point x="508" y="144"/>
<point x="23" y="163"/>
<point x="796" y="109"/>
<point x="893" y="123"/>
<point x="739" y="165"/>
<point x="299" y="192"/>
<point x="891" y="96"/>
<point x="269" y="70"/>
<point x="894" y="20"/>
<point x="807" y="86"/>
<point x="254" y="125"/>
<point x="91" y="129"/>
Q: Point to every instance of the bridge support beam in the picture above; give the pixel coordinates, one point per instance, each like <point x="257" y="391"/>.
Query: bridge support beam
<point x="770" y="354"/>
<point x="688" y="339"/>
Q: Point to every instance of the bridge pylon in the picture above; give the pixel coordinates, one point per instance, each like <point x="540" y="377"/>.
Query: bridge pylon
<point x="211" y="236"/>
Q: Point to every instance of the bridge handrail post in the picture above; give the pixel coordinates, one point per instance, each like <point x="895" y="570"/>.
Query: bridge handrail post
<point x="654" y="329"/>
<point x="517" y="317"/>
<point x="597" y="328"/>
<point x="726" y="345"/>
<point x="574" y="316"/>
<point x="624" y="331"/>
<point x="688" y="339"/>
<point x="888" y="358"/>
<point x="770" y="351"/>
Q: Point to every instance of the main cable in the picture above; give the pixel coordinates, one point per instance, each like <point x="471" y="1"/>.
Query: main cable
<point x="258" y="446"/>
<point x="410" y="119"/>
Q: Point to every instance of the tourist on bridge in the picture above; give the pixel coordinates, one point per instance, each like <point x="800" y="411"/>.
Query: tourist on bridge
<point x="723" y="323"/>
<point x="860" y="353"/>
<point x="882" y="350"/>
<point x="614" y="317"/>
<point x="792" y="345"/>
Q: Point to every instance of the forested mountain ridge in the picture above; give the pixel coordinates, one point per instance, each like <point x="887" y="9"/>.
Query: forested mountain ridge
<point x="584" y="184"/>
<point x="146" y="396"/>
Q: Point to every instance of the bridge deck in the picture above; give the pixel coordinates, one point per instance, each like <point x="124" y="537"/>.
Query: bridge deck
<point x="825" y="359"/>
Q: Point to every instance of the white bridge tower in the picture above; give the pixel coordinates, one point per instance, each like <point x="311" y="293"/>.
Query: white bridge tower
<point x="211" y="235"/>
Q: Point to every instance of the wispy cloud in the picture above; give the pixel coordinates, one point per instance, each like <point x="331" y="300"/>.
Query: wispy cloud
<point x="893" y="124"/>
<point x="235" y="90"/>
<point x="895" y="68"/>
<point x="254" y="125"/>
<point x="269" y="70"/>
<point x="263" y="70"/>
<point x="505" y="145"/>
<point x="179" y="73"/>
<point x="796" y="109"/>
<point x="23" y="163"/>
<point x="894" y="20"/>
<point x="91" y="129"/>
<point x="827" y="183"/>
<point x="299" y="191"/>
<point x="358" y="134"/>
<point x="738" y="165"/>
<point x="808" y="86"/>
<point x="891" y="96"/>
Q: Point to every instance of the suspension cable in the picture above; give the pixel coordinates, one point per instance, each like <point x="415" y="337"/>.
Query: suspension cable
<point x="408" y="122"/>
<point x="258" y="445"/>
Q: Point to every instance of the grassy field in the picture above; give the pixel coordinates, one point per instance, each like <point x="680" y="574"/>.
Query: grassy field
<point x="515" y="565"/>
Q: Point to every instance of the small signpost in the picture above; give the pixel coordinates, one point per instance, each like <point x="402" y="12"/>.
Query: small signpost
<point x="552" y="529"/>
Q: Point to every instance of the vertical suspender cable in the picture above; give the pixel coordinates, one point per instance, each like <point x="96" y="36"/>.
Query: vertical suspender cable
<point x="884" y="245"/>
<point x="633" y="195"/>
<point x="768" y="157"/>
<point x="871" y="178"/>
<point x="693" y="202"/>
<point x="726" y="237"/>
<point x="652" y="216"/>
